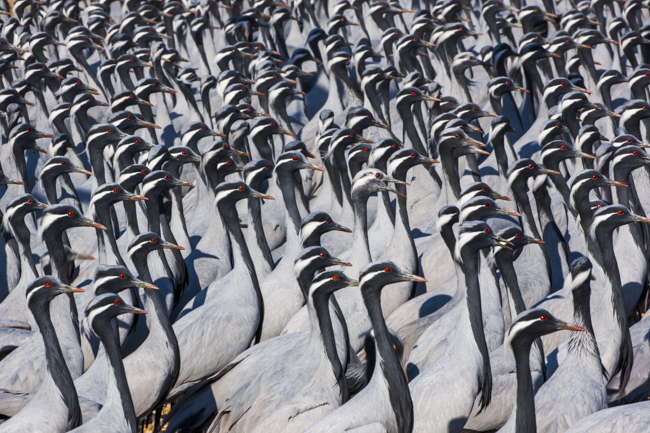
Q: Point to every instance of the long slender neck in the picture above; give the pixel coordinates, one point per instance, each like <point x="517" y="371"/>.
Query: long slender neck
<point x="111" y="255"/>
<point x="288" y="189"/>
<point x="56" y="366"/>
<point x="110" y="339"/>
<point x="49" y="185"/>
<point x="22" y="234"/>
<point x="521" y="197"/>
<point x="583" y="341"/>
<point x="580" y="204"/>
<point x="525" y="420"/>
<point x="450" y="170"/>
<point x="319" y="307"/>
<point x="387" y="363"/>
<point x="470" y="277"/>
<point x="255" y="223"/>
<point x="498" y="144"/>
<point x="504" y="260"/>
<point x="153" y="212"/>
<point x="402" y="232"/>
<point x="96" y="154"/>
<point x="360" y="244"/>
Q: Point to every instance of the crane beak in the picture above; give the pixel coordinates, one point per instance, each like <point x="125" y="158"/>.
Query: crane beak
<point x="498" y="196"/>
<point x="341" y="262"/>
<point x="70" y="289"/>
<point x="91" y="223"/>
<point x="478" y="151"/>
<point x="381" y="125"/>
<point x="133" y="310"/>
<point x="569" y="327"/>
<point x="170" y="246"/>
<point x="431" y="161"/>
<point x="341" y="228"/>
<point x="314" y="167"/>
<point x="509" y="212"/>
<point x="183" y="183"/>
<point x="431" y="98"/>
<point x="286" y="132"/>
<point x="40" y="149"/>
<point x="83" y="171"/>
<point x="612" y="114"/>
<point x="135" y="197"/>
<point x="615" y="183"/>
<point x="640" y="219"/>
<point x="353" y="283"/>
<point x="547" y="171"/>
<point x="584" y="155"/>
<point x="14" y="182"/>
<point x="472" y="142"/>
<point x="262" y="196"/>
<point x="385" y="187"/>
<point x="218" y="134"/>
<point x="169" y="90"/>
<point x="521" y="89"/>
<point x="536" y="241"/>
<point x="26" y="102"/>
<point x="44" y="135"/>
<point x="502" y="242"/>
<point x="416" y="278"/>
<point x="145" y="285"/>
<point x="143" y="102"/>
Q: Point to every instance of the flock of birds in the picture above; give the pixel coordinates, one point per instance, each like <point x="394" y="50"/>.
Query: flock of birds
<point x="264" y="217"/>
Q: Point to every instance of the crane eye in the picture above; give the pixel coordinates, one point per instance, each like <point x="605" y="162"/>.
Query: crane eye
<point x="129" y="117"/>
<point x="457" y="135"/>
<point x="116" y="190"/>
<point x="365" y="149"/>
<point x="342" y="19"/>
<point x="328" y="220"/>
<point x="70" y="213"/>
<point x="629" y="140"/>
<point x="241" y="188"/>
<point x="323" y="255"/>
<point x="29" y="129"/>
<point x="335" y="278"/>
<point x="558" y="125"/>
<point x="645" y="107"/>
<point x="394" y="145"/>
<point x="450" y="101"/>
<point x="110" y="131"/>
<point x="144" y="172"/>
<point x="63" y="162"/>
<point x="535" y="10"/>
<point x="531" y="165"/>
<point x="378" y="175"/>
<point x="634" y="152"/>
<point x="396" y="33"/>
<point x="48" y="284"/>
<point x="184" y="153"/>
<point x="275" y="76"/>
<point x="543" y="318"/>
<point x="487" y="231"/>
<point x="485" y="188"/>
<point x="412" y="93"/>
<point x="369" y="116"/>
<point x="122" y="276"/>
<point x="594" y="177"/>
<point x="166" y="177"/>
<point x="229" y="162"/>
<point x="487" y="204"/>
<point x="387" y="270"/>
<point x="563" y="84"/>
<point x="154" y="240"/>
<point x="268" y="166"/>
<point x="29" y="201"/>
<point x="202" y="128"/>
<point x="272" y="123"/>
<point x="620" y="212"/>
<point x="563" y="147"/>
<point x="507" y="83"/>
<point x="473" y="108"/>
<point x="518" y="235"/>
<point x="567" y="41"/>
<point x="415" y="39"/>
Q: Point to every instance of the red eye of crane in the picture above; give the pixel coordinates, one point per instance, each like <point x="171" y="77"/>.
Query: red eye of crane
<point x="122" y="276"/>
<point x="507" y="83"/>
<point x="116" y="190"/>
<point x="530" y="165"/>
<point x="241" y="188"/>
<point x="378" y="176"/>
<point x="461" y="29"/>
<point x="184" y="152"/>
<point x="166" y="177"/>
<point x="620" y="212"/>
<point x="202" y="128"/>
<point x="29" y="201"/>
<point x="387" y="270"/>
<point x="29" y="129"/>
<point x="268" y="166"/>
<point x="394" y="145"/>
<point x="110" y="131"/>
<point x="85" y="40"/>
<point x="629" y="140"/>
<point x="563" y="84"/>
<point x="2" y="43"/>
<point x="471" y="57"/>
<point x="42" y="69"/>
<point x="70" y="214"/>
<point x="342" y="19"/>
<point x="365" y="149"/>
<point x="323" y="255"/>
<point x="335" y="278"/>
<point x="487" y="231"/>
<point x="234" y="51"/>
<point x="129" y="117"/>
<point x="563" y="147"/>
<point x="63" y="162"/>
<point x="634" y="152"/>
<point x="48" y="284"/>
<point x="473" y="108"/>
<point x="131" y="59"/>
<point x="535" y="10"/>
<point x="487" y="204"/>
<point x="543" y="318"/>
<point x="645" y="107"/>
<point x="518" y="235"/>
<point x="415" y="39"/>
<point x="295" y="158"/>
<point x="413" y="155"/>
<point x="154" y="240"/>
<point x="369" y="116"/>
<point x="69" y="108"/>
<point x="351" y="134"/>
<point x="558" y="125"/>
<point x="412" y="93"/>
<point x="484" y="188"/>
<point x="275" y="76"/>
<point x="457" y="135"/>
<point x="497" y="4"/>
<point x="243" y="89"/>
<point x="272" y="123"/>
<point x="150" y="31"/>
<point x="143" y="171"/>
<point x="328" y="220"/>
<point x="153" y="84"/>
<point x="594" y="177"/>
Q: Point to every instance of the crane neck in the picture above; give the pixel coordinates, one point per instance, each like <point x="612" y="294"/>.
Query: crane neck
<point x="387" y="362"/>
<point x="525" y="420"/>
<point x="56" y="365"/>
